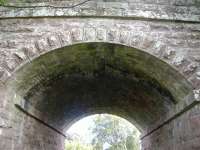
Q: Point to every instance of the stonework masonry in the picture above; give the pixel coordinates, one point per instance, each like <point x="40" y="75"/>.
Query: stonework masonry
<point x="49" y="46"/>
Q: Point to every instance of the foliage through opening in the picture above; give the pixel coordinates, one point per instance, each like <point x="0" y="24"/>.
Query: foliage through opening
<point x="103" y="132"/>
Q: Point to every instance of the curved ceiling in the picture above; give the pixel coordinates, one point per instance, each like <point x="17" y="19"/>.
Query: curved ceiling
<point x="100" y="77"/>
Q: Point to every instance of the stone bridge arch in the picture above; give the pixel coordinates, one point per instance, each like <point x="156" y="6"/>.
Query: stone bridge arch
<point x="99" y="77"/>
<point x="151" y="48"/>
<point x="157" y="39"/>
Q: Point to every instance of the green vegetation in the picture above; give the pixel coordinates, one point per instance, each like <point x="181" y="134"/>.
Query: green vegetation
<point x="2" y="2"/>
<point x="109" y="133"/>
<point x="76" y="145"/>
<point x="116" y="133"/>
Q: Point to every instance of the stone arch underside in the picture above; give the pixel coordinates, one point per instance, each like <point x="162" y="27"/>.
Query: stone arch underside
<point x="62" y="85"/>
<point x="145" y="59"/>
<point x="173" y="95"/>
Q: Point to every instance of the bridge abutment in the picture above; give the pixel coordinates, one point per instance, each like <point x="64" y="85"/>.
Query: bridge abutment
<point x="61" y="61"/>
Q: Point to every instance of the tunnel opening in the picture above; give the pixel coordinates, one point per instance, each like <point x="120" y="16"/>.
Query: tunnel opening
<point x="103" y="132"/>
<point x="66" y="84"/>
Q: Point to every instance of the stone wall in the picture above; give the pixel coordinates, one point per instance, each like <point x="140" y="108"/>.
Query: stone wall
<point x="164" y="29"/>
<point x="180" y="134"/>
<point x="174" y="10"/>
<point x="175" y="43"/>
<point x="25" y="133"/>
<point x="19" y="131"/>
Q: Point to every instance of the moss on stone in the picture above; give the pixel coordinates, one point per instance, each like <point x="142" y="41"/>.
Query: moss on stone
<point x="67" y="82"/>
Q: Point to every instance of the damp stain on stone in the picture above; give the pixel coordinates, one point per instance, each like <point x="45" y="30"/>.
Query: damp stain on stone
<point x="70" y="81"/>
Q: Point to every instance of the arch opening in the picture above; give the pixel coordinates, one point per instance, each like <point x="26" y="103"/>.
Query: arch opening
<point x="69" y="83"/>
<point x="103" y="131"/>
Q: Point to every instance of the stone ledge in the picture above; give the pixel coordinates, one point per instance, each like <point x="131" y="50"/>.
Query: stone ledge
<point x="30" y="111"/>
<point x="172" y="115"/>
<point x="104" y="9"/>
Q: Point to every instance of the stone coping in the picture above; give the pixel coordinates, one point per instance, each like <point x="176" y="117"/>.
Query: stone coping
<point x="89" y="8"/>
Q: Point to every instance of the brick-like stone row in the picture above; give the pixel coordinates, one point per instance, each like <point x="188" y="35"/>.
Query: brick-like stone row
<point x="164" y="10"/>
<point x="166" y="29"/>
<point x="175" y="43"/>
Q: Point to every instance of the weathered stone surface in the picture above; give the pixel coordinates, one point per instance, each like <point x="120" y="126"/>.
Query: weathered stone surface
<point x="68" y="60"/>
<point x="131" y="33"/>
<point x="76" y="34"/>
<point x="175" y="10"/>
